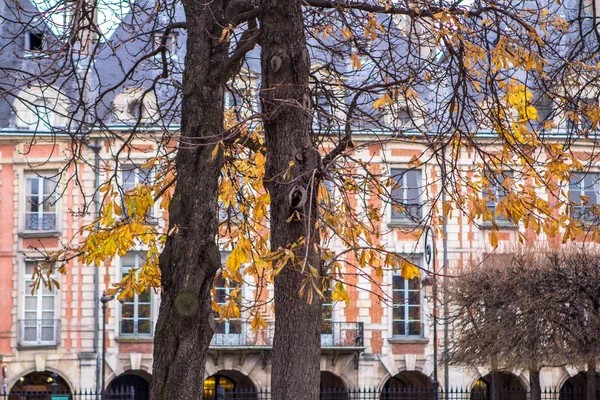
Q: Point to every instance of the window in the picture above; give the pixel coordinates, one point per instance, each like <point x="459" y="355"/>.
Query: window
<point x="406" y="198"/>
<point x="406" y="311"/>
<point x="585" y="106"/>
<point x="136" y="311"/>
<point x="40" y="325"/>
<point x="40" y="203"/>
<point x="583" y="193"/>
<point x="322" y="109"/>
<point x="44" y="116"/>
<point x="133" y="176"/>
<point x="495" y="193"/>
<point x="170" y="44"/>
<point x="135" y="105"/>
<point x="224" y="290"/>
<point x="34" y="41"/>
<point x="327" y="313"/>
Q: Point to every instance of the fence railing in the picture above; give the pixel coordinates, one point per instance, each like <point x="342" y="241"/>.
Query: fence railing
<point x="333" y="335"/>
<point x="117" y="394"/>
<point x="403" y="393"/>
<point x="38" y="332"/>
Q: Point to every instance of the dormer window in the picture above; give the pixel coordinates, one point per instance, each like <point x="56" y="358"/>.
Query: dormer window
<point x="135" y="105"/>
<point x="34" y="41"/>
<point x="41" y="109"/>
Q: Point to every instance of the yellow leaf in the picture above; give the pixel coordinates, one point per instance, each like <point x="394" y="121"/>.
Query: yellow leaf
<point x="409" y="270"/>
<point x="258" y="322"/>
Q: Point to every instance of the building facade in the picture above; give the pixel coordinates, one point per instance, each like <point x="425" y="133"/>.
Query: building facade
<point x="57" y="335"/>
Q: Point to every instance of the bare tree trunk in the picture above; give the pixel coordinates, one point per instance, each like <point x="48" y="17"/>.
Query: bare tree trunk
<point x="591" y="380"/>
<point x="191" y="256"/>
<point x="285" y="98"/>
<point x="534" y="384"/>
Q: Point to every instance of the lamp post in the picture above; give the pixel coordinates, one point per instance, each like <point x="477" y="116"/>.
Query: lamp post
<point x="104" y="300"/>
<point x="430" y="260"/>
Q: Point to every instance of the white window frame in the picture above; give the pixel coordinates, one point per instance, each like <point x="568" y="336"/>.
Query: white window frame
<point x="497" y="191"/>
<point x="39" y="310"/>
<point x="407" y="306"/>
<point x="584" y="211"/>
<point x="405" y="216"/>
<point x="133" y="167"/>
<point x="123" y="270"/>
<point x="41" y="177"/>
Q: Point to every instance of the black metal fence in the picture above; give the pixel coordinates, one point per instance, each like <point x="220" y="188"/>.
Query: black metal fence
<point x="405" y="393"/>
<point x="117" y="394"/>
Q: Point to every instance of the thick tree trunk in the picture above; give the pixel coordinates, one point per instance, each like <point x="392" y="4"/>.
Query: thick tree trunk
<point x="191" y="256"/>
<point x="534" y="384"/>
<point x="285" y="99"/>
<point x="591" y="380"/>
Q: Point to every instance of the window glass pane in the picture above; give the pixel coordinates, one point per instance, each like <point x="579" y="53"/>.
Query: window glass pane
<point x="413" y="183"/>
<point x="32" y="186"/>
<point x="48" y="315"/>
<point x="398" y="282"/>
<point x="235" y="326"/>
<point x="144" y="311"/>
<point x="127" y="310"/>
<point x="398" y="296"/>
<point x="399" y="328"/>
<point x="414" y="328"/>
<point x="32" y="204"/>
<point x="49" y="187"/>
<point x="145" y="296"/>
<point x="414" y="298"/>
<point x="414" y="313"/>
<point x="48" y="334"/>
<point x="48" y="303"/>
<point x="48" y="222"/>
<point x="30" y="303"/>
<point x="31" y="315"/>
<point x="127" y="326"/>
<point x="144" y="327"/>
<point x="414" y="284"/>
<point x="398" y="312"/>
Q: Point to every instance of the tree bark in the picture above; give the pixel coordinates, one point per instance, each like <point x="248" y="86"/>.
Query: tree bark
<point x="534" y="384"/>
<point x="591" y="380"/>
<point x="285" y="98"/>
<point x="191" y="256"/>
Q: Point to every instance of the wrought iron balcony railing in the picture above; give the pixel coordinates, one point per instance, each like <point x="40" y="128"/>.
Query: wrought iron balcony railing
<point x="38" y="332"/>
<point x="333" y="335"/>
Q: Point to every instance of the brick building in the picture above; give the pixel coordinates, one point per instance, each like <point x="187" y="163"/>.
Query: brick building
<point x="49" y="336"/>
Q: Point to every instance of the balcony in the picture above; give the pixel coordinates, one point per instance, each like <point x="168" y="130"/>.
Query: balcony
<point x="38" y="332"/>
<point x="334" y="335"/>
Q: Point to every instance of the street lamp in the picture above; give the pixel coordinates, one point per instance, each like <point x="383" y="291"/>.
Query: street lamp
<point x="104" y="300"/>
<point x="430" y="260"/>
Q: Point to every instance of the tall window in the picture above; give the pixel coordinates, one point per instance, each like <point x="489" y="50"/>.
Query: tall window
<point x="136" y="311"/>
<point x="327" y="313"/>
<point x="406" y="197"/>
<point x="496" y="192"/>
<point x="583" y="193"/>
<point x="406" y="314"/>
<point x="40" y="203"/>
<point x="39" y="326"/>
<point x="133" y="176"/>
<point x="224" y="290"/>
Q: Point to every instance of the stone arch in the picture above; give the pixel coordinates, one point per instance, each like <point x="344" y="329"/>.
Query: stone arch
<point x="512" y="386"/>
<point x="576" y="386"/>
<point x="128" y="105"/>
<point x="39" y="379"/>
<point x="43" y="108"/>
<point x="332" y="385"/>
<point x="139" y="379"/>
<point x="228" y="381"/>
<point x="412" y="381"/>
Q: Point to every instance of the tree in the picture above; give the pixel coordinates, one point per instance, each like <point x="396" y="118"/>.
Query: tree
<point x="432" y="73"/>
<point x="528" y="309"/>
